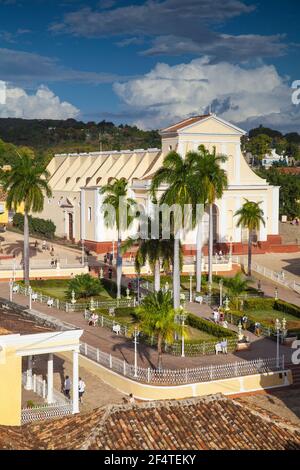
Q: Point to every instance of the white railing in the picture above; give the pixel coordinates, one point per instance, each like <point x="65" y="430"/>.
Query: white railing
<point x="43" y="412"/>
<point x="275" y="276"/>
<point x="37" y="297"/>
<point x="39" y="386"/>
<point x="181" y="376"/>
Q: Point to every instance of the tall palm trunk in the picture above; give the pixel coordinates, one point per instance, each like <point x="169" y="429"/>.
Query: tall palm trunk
<point x="176" y="273"/>
<point x="159" y="351"/>
<point x="26" y="249"/>
<point x="157" y="275"/>
<point x="119" y="266"/>
<point x="199" y="257"/>
<point x="249" y="252"/>
<point x="210" y="243"/>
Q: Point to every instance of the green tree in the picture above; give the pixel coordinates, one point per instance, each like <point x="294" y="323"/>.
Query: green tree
<point x="250" y="216"/>
<point x="155" y="250"/>
<point x="214" y="181"/>
<point x="178" y="173"/>
<point x="259" y="146"/>
<point x="236" y="286"/>
<point x="84" y="286"/>
<point x="158" y="318"/>
<point x="115" y="197"/>
<point x="26" y="183"/>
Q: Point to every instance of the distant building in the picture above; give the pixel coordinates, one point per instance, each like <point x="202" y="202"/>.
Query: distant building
<point x="273" y="157"/>
<point x="76" y="178"/>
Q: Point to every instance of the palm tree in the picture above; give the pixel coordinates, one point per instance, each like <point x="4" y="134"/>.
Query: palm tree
<point x="154" y="250"/>
<point x="158" y="318"/>
<point x="250" y="216"/>
<point x="178" y="173"/>
<point x="115" y="196"/>
<point x="26" y="183"/>
<point x="214" y="181"/>
<point x="236" y="286"/>
<point x="84" y="286"/>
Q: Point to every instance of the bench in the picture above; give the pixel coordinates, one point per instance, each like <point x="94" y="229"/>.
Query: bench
<point x="116" y="329"/>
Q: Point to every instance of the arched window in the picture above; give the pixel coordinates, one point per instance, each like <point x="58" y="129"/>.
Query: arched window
<point x="98" y="180"/>
<point x="68" y="179"/>
<point x="87" y="180"/>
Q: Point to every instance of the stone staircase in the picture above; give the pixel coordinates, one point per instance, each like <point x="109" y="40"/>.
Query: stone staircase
<point x="296" y="374"/>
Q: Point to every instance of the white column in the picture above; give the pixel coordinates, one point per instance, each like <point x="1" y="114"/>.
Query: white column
<point x="28" y="385"/>
<point x="237" y="164"/>
<point x="264" y="228"/>
<point x="50" y="379"/>
<point x="75" y="395"/>
<point x="275" y="211"/>
<point x="237" y="230"/>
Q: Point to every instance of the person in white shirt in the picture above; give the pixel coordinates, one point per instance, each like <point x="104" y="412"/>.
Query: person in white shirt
<point x="81" y="389"/>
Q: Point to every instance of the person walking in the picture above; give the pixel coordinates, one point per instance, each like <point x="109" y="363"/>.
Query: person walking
<point x="67" y="387"/>
<point x="81" y="389"/>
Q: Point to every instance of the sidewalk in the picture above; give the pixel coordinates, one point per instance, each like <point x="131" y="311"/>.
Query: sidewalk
<point x="123" y="348"/>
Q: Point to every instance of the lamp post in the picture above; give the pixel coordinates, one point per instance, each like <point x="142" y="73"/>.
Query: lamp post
<point x="73" y="300"/>
<point x="30" y="296"/>
<point x="277" y="328"/>
<point x="209" y="293"/>
<point x="227" y="305"/>
<point x="11" y="290"/>
<point x="182" y="318"/>
<point x="221" y="291"/>
<point x="135" y="341"/>
<point x="276" y="293"/>
<point x="191" y="288"/>
<point x="92" y="305"/>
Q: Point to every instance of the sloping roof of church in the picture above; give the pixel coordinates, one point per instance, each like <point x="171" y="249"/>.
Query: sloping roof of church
<point x="211" y="422"/>
<point x="185" y="123"/>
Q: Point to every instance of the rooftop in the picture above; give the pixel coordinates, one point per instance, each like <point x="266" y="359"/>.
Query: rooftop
<point x="185" y="123"/>
<point x="206" y="423"/>
<point x="13" y="323"/>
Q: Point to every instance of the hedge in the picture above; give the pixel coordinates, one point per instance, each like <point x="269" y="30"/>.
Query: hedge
<point x="111" y="287"/>
<point x="45" y="228"/>
<point x="280" y="305"/>
<point x="209" y="327"/>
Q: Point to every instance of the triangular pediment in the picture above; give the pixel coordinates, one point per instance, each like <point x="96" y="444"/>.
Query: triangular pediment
<point x="207" y="124"/>
<point x="65" y="202"/>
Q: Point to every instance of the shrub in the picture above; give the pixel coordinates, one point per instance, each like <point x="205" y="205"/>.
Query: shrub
<point x="208" y="327"/>
<point x="258" y="303"/>
<point x="84" y="286"/>
<point x="111" y="287"/>
<point x="285" y="307"/>
<point x="45" y="228"/>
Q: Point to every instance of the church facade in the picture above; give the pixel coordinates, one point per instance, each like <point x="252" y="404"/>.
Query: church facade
<point x="75" y="206"/>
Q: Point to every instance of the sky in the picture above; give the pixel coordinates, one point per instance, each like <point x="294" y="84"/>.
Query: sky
<point x="151" y="62"/>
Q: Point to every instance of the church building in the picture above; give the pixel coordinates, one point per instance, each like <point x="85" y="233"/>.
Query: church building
<point x="75" y="206"/>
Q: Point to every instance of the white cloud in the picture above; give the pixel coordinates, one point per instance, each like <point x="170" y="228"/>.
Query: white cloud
<point x="43" y="104"/>
<point x="239" y="94"/>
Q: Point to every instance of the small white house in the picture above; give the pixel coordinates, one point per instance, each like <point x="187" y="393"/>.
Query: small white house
<point x="273" y="157"/>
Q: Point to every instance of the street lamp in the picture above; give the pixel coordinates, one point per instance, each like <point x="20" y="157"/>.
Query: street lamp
<point x="276" y="293"/>
<point x="209" y="293"/>
<point x="280" y="331"/>
<point x="191" y="288"/>
<point x="11" y="290"/>
<point x="221" y="291"/>
<point x="30" y="296"/>
<point x="135" y="341"/>
<point x="182" y="318"/>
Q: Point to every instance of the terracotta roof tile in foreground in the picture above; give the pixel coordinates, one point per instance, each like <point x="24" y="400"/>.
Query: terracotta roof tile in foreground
<point x="207" y="423"/>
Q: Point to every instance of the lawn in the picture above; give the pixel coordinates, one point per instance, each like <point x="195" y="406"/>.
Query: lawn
<point x="56" y="288"/>
<point x="269" y="316"/>
<point x="193" y="334"/>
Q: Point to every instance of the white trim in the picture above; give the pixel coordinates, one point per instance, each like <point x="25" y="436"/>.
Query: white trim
<point x="223" y="230"/>
<point x="82" y="213"/>
<point x="200" y="121"/>
<point x="275" y="212"/>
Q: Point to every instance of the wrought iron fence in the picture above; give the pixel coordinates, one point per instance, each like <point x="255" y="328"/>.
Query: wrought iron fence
<point x="182" y="376"/>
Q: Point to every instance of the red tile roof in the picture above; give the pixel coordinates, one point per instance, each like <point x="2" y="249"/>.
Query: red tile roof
<point x="212" y="422"/>
<point x="185" y="123"/>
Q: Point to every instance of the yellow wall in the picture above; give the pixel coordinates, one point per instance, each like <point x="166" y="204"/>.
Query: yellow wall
<point x="10" y="388"/>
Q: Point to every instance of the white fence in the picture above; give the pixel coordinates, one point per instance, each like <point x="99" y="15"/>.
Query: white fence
<point x="71" y="307"/>
<point x="43" y="412"/>
<point x="39" y="386"/>
<point x="275" y="276"/>
<point x="181" y="376"/>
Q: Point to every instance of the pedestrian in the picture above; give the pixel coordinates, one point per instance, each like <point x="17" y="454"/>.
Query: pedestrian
<point x="259" y="285"/>
<point x="110" y="273"/>
<point x="216" y="316"/>
<point x="67" y="387"/>
<point x="81" y="389"/>
<point x="131" y="398"/>
<point x="36" y="244"/>
<point x="224" y="346"/>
